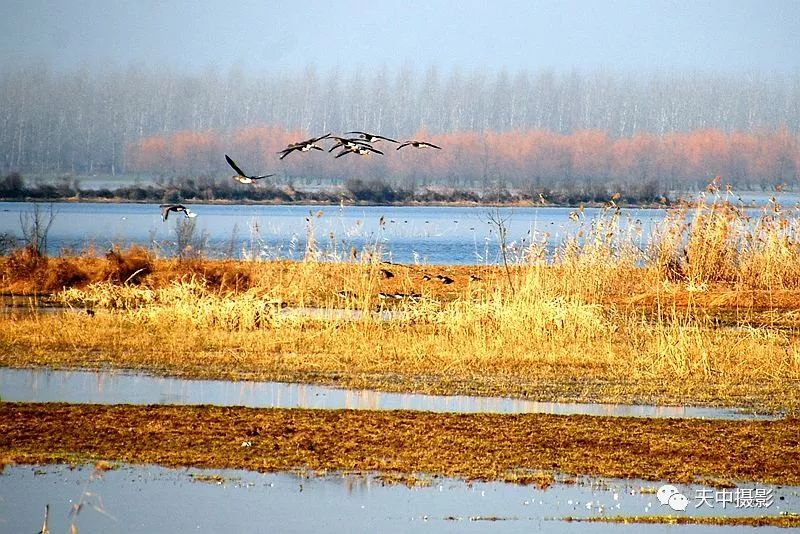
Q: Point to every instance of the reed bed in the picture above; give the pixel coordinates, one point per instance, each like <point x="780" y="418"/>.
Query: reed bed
<point x="707" y="312"/>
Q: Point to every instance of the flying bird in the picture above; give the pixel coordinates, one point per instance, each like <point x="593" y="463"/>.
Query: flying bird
<point x="177" y="208"/>
<point x="418" y="144"/>
<point x="372" y="138"/>
<point x="303" y="146"/>
<point x="347" y="142"/>
<point x="241" y="177"/>
<point x="360" y="150"/>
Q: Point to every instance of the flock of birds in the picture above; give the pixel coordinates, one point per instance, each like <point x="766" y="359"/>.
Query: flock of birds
<point x="361" y="145"/>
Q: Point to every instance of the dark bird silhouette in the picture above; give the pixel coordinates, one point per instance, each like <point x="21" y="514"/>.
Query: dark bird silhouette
<point x="474" y="278"/>
<point x="303" y="146"/>
<point x="241" y="177"/>
<point x="444" y="279"/>
<point x="426" y="277"/>
<point x="371" y="138"/>
<point x="347" y="142"/>
<point x="386" y="273"/>
<point x="418" y="144"/>
<point x="361" y="150"/>
<point x="177" y="208"/>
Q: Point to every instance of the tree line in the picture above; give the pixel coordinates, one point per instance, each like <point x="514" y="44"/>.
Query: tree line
<point x="86" y="122"/>
<point x="491" y="162"/>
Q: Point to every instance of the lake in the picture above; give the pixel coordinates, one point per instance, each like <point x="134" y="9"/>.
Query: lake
<point x="403" y="234"/>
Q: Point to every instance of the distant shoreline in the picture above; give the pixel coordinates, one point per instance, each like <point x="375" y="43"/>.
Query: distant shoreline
<point x="308" y="202"/>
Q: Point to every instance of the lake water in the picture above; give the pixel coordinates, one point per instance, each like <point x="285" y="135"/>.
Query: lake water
<point x="156" y="500"/>
<point x="404" y="234"/>
<point x="103" y="387"/>
<point x="430" y="234"/>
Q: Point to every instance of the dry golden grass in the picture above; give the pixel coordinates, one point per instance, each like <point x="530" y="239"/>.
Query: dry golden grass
<point x="710" y="314"/>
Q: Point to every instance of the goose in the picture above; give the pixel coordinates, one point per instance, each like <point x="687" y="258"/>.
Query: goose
<point x="444" y="279"/>
<point x="386" y="273"/>
<point x="177" y="208"/>
<point x="241" y="177"/>
<point x="360" y="150"/>
<point x="303" y="146"/>
<point x="418" y="144"/>
<point x="347" y="142"/>
<point x="371" y="138"/>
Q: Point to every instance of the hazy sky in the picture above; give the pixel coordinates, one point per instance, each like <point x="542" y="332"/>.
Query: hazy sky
<point x="626" y="35"/>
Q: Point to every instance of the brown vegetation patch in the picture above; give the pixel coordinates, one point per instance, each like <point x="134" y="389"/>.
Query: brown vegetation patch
<point x="470" y="446"/>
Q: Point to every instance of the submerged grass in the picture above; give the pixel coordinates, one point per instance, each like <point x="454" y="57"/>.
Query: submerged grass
<point x="780" y="521"/>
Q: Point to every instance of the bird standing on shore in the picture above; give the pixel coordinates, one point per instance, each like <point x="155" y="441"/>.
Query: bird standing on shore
<point x="242" y="177"/>
<point x="177" y="208"/>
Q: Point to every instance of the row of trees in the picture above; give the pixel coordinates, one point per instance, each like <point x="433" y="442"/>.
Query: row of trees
<point x="487" y="161"/>
<point x="81" y="122"/>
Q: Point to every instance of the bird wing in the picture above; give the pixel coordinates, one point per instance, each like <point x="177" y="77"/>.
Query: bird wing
<point x="374" y="150"/>
<point x="343" y="152"/>
<point x="315" y="139"/>
<point x="429" y="144"/>
<point x="356" y="132"/>
<point x="385" y="138"/>
<point x="235" y="167"/>
<point x="261" y="177"/>
<point x="164" y="212"/>
<point x="403" y="144"/>
<point x="336" y="145"/>
<point x="286" y="151"/>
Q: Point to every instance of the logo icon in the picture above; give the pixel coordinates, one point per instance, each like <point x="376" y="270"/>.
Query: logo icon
<point x="670" y="496"/>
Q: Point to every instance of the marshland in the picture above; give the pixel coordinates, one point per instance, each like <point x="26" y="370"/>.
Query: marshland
<point x="386" y="267"/>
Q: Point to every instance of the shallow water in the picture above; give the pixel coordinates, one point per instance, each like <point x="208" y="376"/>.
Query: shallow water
<point x="154" y="499"/>
<point x="103" y="387"/>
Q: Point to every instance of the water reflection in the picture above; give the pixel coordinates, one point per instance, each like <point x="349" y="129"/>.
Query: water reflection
<point x="104" y="387"/>
<point x="155" y="500"/>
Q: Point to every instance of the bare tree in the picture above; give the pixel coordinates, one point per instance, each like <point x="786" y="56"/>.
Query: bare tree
<point x="35" y="226"/>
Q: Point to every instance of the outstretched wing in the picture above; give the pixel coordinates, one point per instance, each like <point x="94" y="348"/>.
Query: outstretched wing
<point x="343" y="152"/>
<point x="165" y="211"/>
<point x="261" y="177"/>
<point x="403" y="144"/>
<point x="357" y="132"/>
<point x="315" y="139"/>
<point x="286" y="151"/>
<point x="386" y="138"/>
<point x="374" y="150"/>
<point x="235" y="167"/>
<point x="430" y="144"/>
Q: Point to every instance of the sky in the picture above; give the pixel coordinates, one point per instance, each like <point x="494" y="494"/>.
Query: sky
<point x="620" y="35"/>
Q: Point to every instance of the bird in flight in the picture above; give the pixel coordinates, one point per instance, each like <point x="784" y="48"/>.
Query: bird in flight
<point x="177" y="208"/>
<point x="242" y="177"/>
<point x="361" y="150"/>
<point x="371" y="138"/>
<point x="347" y="142"/>
<point x="418" y="144"/>
<point x="303" y="146"/>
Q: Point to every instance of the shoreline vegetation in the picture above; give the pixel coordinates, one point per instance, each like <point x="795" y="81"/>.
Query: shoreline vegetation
<point x="706" y="314"/>
<point x="13" y="188"/>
